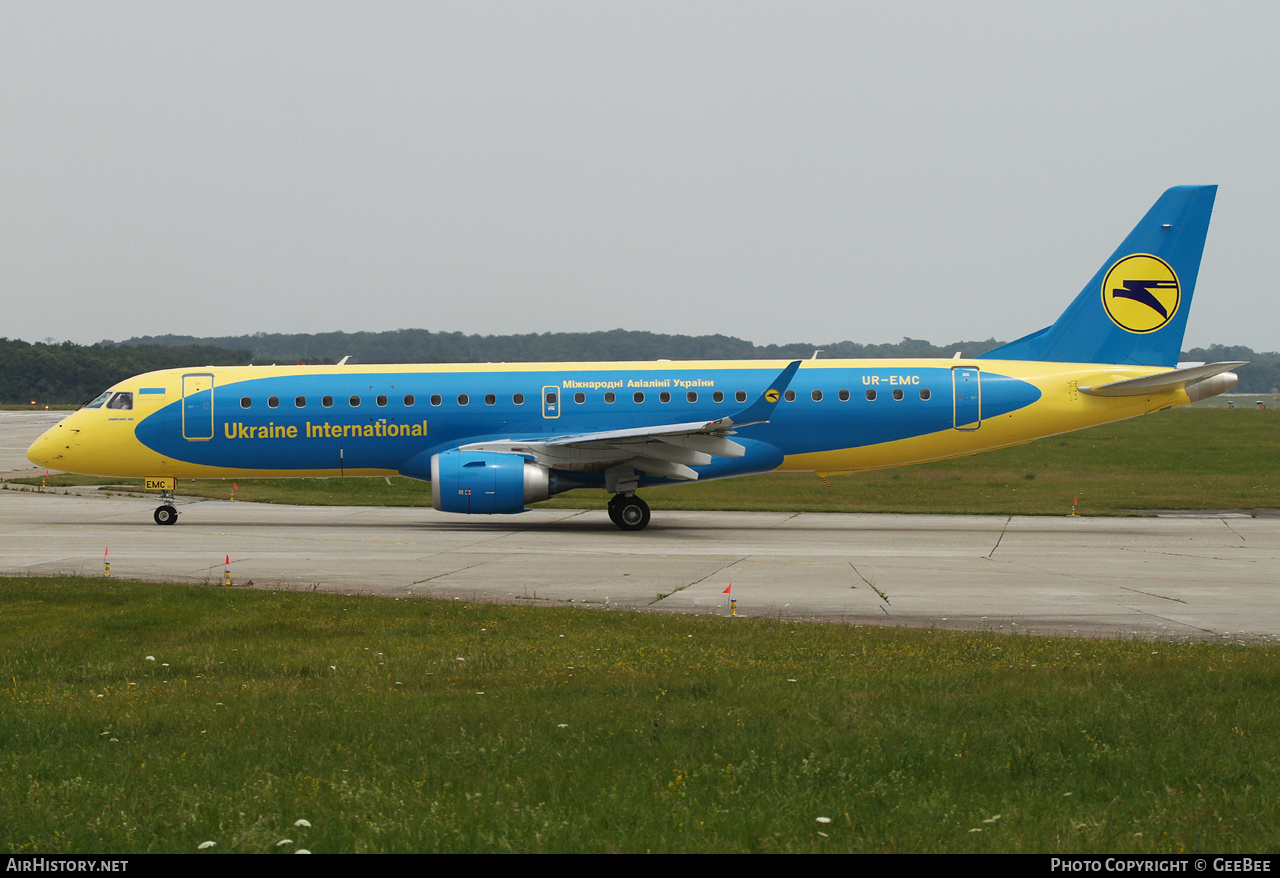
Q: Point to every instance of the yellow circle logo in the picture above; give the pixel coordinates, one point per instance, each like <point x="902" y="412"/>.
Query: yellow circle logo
<point x="1141" y="293"/>
<point x="771" y="395"/>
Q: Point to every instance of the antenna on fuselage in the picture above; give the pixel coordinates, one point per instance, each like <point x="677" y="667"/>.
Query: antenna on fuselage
<point x="815" y="354"/>
<point x="343" y="361"/>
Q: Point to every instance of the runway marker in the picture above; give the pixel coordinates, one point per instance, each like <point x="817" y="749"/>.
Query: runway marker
<point x="106" y="563"/>
<point x="228" y="572"/>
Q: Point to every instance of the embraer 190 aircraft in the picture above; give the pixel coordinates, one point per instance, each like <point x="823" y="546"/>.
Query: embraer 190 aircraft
<point x="492" y="438"/>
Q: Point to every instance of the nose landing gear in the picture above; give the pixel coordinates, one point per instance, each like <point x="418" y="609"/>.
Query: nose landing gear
<point x="166" y="512"/>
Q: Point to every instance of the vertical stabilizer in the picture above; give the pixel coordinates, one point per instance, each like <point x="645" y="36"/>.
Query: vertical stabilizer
<point x="1134" y="310"/>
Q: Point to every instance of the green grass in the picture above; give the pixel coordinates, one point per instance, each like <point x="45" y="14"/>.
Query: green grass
<point x="60" y="407"/>
<point x="417" y="725"/>
<point x="1191" y="458"/>
<point x="1182" y="459"/>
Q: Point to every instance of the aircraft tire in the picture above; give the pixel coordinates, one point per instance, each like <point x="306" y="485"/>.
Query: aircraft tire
<point x="632" y="514"/>
<point x="165" y="515"/>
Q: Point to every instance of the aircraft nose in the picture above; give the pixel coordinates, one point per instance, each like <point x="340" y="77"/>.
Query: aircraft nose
<point x="46" y="451"/>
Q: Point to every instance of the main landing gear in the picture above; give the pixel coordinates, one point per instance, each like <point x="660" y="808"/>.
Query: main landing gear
<point x="166" y="512"/>
<point x="628" y="512"/>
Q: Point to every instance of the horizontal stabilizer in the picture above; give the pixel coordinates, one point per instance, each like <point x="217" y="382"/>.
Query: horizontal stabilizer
<point x="1166" y="381"/>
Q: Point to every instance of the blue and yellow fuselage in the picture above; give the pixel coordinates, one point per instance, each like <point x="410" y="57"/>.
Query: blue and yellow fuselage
<point x="836" y="416"/>
<point x="494" y="438"/>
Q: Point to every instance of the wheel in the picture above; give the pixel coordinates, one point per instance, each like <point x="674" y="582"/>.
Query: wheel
<point x="165" y="515"/>
<point x="614" y="502"/>
<point x="633" y="514"/>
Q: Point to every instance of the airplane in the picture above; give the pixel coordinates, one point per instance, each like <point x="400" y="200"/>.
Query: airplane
<point x="493" y="438"/>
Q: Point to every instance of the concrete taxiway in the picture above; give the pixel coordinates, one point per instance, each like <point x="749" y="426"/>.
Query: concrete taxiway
<point x="1213" y="575"/>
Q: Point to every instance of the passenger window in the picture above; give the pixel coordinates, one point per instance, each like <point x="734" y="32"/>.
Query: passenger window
<point x="273" y="402"/>
<point x="354" y="401"/>
<point x="381" y="400"/>
<point x="463" y="399"/>
<point x="638" y="396"/>
<point x="518" y="399"/>
<point x="579" y="398"/>
<point x="789" y="396"/>
<point x="817" y="395"/>
<point x="408" y="400"/>
<point x="435" y="399"/>
<point x="245" y="402"/>
<point x="740" y="396"/>
<point x="692" y="396"/>
<point x="490" y="399"/>
<point x="844" y="396"/>
<point x="327" y="401"/>
<point x="897" y="393"/>
<point x="300" y="402"/>
<point x="121" y="401"/>
<point x="718" y="396"/>
<point x="924" y="393"/>
<point x="871" y="395"/>
<point x="609" y="397"/>
<point x="664" y="397"/>
<point x="551" y="398"/>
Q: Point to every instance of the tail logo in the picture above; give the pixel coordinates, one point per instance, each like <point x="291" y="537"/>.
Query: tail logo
<point x="1141" y="293"/>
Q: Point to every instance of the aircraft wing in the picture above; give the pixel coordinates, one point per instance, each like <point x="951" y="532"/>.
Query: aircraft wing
<point x="662" y="450"/>
<point x="1180" y="377"/>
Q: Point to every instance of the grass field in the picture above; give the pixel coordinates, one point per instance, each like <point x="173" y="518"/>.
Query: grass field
<point x="142" y="717"/>
<point x="1191" y="458"/>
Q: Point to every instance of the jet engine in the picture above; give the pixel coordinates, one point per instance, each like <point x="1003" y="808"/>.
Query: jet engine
<point x="486" y="482"/>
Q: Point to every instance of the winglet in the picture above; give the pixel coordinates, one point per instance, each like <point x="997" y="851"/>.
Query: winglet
<point x="759" y="411"/>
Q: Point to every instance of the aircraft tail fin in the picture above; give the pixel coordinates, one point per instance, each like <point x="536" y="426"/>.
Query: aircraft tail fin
<point x="1134" y="310"/>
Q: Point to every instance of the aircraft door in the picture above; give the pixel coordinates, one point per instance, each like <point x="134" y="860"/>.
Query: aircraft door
<point x="966" y="387"/>
<point x="551" y="401"/>
<point x="197" y="407"/>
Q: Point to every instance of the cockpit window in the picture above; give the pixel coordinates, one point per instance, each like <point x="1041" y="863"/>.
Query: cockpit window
<point x="123" y="400"/>
<point x="97" y="401"/>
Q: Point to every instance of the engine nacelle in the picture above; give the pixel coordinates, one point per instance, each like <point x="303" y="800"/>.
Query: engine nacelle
<point x="486" y="482"/>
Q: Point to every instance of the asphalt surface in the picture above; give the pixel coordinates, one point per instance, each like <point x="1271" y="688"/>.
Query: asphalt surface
<point x="1186" y="576"/>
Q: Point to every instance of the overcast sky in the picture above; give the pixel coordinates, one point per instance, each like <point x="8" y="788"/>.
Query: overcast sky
<point x="781" y="172"/>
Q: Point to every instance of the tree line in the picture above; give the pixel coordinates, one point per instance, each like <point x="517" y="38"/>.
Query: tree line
<point x="50" y="373"/>
<point x="58" y="374"/>
<point x="424" y="346"/>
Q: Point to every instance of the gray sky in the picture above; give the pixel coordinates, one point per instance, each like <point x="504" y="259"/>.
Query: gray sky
<point x="780" y="172"/>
